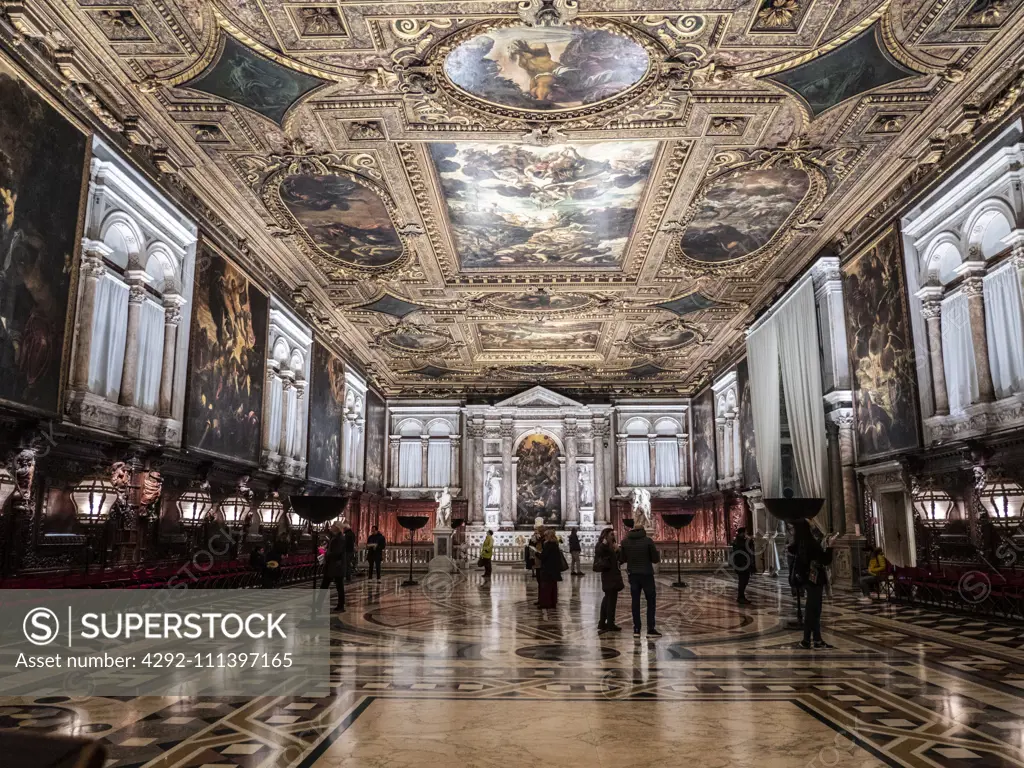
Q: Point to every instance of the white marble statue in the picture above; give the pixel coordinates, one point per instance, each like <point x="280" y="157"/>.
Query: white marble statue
<point x="640" y="508"/>
<point x="586" y="486"/>
<point x="443" y="518"/>
<point x="493" y="487"/>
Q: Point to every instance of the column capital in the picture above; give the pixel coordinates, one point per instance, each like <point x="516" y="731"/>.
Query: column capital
<point x="841" y="417"/>
<point x="136" y="293"/>
<point x="931" y="309"/>
<point x="973" y="285"/>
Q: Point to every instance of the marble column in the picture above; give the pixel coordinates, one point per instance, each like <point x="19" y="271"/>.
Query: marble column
<point x="652" y="458"/>
<point x="620" y="464"/>
<point x="720" y="448"/>
<point x="600" y="434"/>
<point x="130" y="370"/>
<point x="424" y="457"/>
<point x="478" y="491"/>
<point x="737" y="456"/>
<point x="268" y="406"/>
<point x="843" y="419"/>
<point x="973" y="287"/>
<point x="507" y="480"/>
<point x="572" y="507"/>
<point x="455" y="478"/>
<point x="394" y="446"/>
<point x="91" y="270"/>
<point x="172" y="317"/>
<point x="931" y="310"/>
<point x="684" y="474"/>
<point x="299" y="451"/>
<point x="287" y="382"/>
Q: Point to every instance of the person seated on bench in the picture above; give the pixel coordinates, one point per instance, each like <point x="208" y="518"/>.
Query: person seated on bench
<point x="877" y="570"/>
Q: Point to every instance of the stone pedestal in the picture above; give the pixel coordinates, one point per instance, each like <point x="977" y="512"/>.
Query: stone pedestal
<point x="847" y="555"/>
<point x="443" y="559"/>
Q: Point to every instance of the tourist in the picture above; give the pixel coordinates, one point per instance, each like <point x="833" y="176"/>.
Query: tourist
<point x="810" y="560"/>
<point x="549" y="571"/>
<point x="574" y="552"/>
<point x="336" y="565"/>
<point x="640" y="554"/>
<point x="350" y="552"/>
<point x="877" y="569"/>
<point x="375" y="544"/>
<point x="486" y="553"/>
<point x="606" y="562"/>
<point x="743" y="563"/>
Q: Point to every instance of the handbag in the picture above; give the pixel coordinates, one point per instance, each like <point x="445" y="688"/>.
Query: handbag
<point x="565" y="564"/>
<point x="480" y="563"/>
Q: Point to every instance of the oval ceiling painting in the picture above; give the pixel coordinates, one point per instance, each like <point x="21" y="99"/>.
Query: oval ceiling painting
<point x="417" y="340"/>
<point x="543" y="69"/>
<point x="539" y="301"/>
<point x="346" y="220"/>
<point x="741" y="212"/>
<point x="668" y="337"/>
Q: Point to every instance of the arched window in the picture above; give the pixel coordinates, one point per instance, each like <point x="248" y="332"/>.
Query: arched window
<point x="666" y="453"/>
<point x="638" y="454"/>
<point x="439" y="454"/>
<point x="410" y="454"/>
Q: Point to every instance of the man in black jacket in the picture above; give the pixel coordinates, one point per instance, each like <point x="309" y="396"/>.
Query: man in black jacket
<point x="639" y="554"/>
<point x="375" y="544"/>
<point x="574" y="553"/>
<point x="335" y="565"/>
<point x="743" y="563"/>
<point x="350" y="552"/>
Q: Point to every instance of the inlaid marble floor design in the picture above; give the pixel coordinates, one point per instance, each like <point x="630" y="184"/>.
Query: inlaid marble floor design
<point x="455" y="673"/>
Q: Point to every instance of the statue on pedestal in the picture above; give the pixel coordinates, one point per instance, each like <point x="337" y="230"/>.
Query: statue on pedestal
<point x="586" y="483"/>
<point x="640" y="507"/>
<point x="443" y="518"/>
<point x="493" y="498"/>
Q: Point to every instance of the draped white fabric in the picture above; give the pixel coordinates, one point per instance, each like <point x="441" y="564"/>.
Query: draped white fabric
<point x="958" y="353"/>
<point x="109" y="328"/>
<point x="273" y="425"/>
<point x="797" y="325"/>
<point x="1004" y="326"/>
<point x="410" y="460"/>
<point x="151" y="356"/>
<point x="293" y="417"/>
<point x="763" y="367"/>
<point x="638" y="462"/>
<point x="439" y="463"/>
<point x="666" y="464"/>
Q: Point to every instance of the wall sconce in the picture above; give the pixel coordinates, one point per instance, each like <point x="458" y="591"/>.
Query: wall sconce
<point x="93" y="499"/>
<point x="933" y="505"/>
<point x="237" y="509"/>
<point x="270" y="510"/>
<point x="1002" y="499"/>
<point x="194" y="505"/>
<point x="7" y="486"/>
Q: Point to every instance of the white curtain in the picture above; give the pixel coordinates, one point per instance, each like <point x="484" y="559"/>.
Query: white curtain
<point x="109" y="329"/>
<point x="410" y="460"/>
<point x="958" y="353"/>
<point x="439" y="463"/>
<point x="1004" y="326"/>
<point x="666" y="463"/>
<point x="151" y="356"/>
<point x="289" y="428"/>
<point x="800" y="360"/>
<point x="273" y="425"/>
<point x="763" y="367"/>
<point x="638" y="462"/>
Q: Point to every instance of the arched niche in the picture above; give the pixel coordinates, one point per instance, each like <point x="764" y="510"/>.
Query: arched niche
<point x="992" y="221"/>
<point x="943" y="258"/>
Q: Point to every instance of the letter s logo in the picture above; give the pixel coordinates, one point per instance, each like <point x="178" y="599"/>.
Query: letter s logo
<point x="41" y="626"/>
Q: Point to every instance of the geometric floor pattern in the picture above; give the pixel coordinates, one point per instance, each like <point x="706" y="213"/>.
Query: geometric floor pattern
<point x="455" y="673"/>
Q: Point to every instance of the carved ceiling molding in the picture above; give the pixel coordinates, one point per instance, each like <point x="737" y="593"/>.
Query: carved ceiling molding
<point x="690" y="335"/>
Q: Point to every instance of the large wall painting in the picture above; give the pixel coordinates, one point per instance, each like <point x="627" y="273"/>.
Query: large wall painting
<point x="560" y="207"/>
<point x="881" y="350"/>
<point x="326" y="403"/>
<point x="748" y="457"/>
<point x="229" y="352"/>
<point x="538" y="481"/>
<point x="852" y="69"/>
<point x="740" y="212"/>
<point x="554" y="337"/>
<point x="42" y="167"/>
<point x="705" y="478"/>
<point x="376" y="436"/>
<point x="546" y="68"/>
<point x="346" y="220"/>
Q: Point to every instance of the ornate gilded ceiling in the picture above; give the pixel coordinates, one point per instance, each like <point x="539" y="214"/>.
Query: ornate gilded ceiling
<point x="481" y="195"/>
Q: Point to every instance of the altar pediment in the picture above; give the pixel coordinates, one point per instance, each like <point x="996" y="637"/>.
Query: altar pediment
<point x="539" y="397"/>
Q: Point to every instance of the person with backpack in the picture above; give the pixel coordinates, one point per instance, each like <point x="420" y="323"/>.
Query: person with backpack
<point x="640" y="555"/>
<point x="809" y="573"/>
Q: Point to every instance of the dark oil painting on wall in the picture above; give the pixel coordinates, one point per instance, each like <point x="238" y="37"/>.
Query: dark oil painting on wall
<point x="376" y="435"/>
<point x="325" y="406"/>
<point x="522" y="207"/>
<point x="742" y="211"/>
<point x="229" y="352"/>
<point x="42" y="162"/>
<point x="703" y="415"/>
<point x="346" y="220"/>
<point x="538" y="481"/>
<point x="748" y="458"/>
<point x="881" y="350"/>
<point x="546" y="67"/>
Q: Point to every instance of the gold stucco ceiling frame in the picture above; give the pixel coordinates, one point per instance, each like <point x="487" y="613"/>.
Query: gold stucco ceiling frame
<point x="428" y="78"/>
<point x="675" y="324"/>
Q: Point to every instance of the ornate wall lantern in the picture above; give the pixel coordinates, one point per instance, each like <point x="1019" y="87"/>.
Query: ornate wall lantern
<point x="1002" y="499"/>
<point x="194" y="505"/>
<point x="7" y="486"/>
<point x="934" y="506"/>
<point x="93" y="500"/>
<point x="270" y="510"/>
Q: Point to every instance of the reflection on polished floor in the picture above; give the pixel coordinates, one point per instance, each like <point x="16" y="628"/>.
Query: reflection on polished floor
<point x="455" y="673"/>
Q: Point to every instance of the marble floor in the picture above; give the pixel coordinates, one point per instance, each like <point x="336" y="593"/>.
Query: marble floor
<point x="456" y="673"/>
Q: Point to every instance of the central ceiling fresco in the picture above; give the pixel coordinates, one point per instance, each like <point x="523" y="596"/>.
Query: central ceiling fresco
<point x="477" y="196"/>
